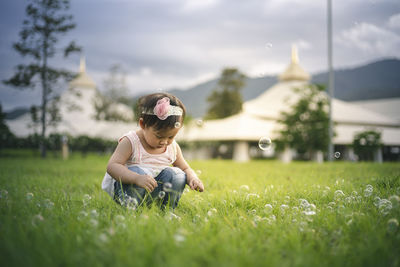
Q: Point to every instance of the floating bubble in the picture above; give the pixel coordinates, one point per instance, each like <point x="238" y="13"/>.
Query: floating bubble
<point x="223" y="149"/>
<point x="245" y="187"/>
<point x="284" y="207"/>
<point x="37" y="219"/>
<point x="368" y="192"/>
<point x="198" y="172"/>
<point x="177" y="124"/>
<point x="94" y="222"/>
<point x="268" y="207"/>
<point x="86" y="199"/>
<point x="395" y="201"/>
<point x="167" y="187"/>
<point x="161" y="194"/>
<point x="377" y="200"/>
<point x="94" y="213"/>
<point x="82" y="215"/>
<point x="264" y="143"/>
<point x="392" y="225"/>
<point x="119" y="219"/>
<point x="29" y="196"/>
<point x="131" y="202"/>
<point x="252" y="195"/>
<point x="337" y="155"/>
<point x="339" y="194"/>
<point x="211" y="212"/>
<point x="48" y="204"/>
<point x="309" y="212"/>
<point x="363" y="142"/>
<point x="304" y="203"/>
<point x="3" y="194"/>
<point x="384" y="206"/>
<point x="199" y="122"/>
<point x="103" y="238"/>
<point x="268" y="45"/>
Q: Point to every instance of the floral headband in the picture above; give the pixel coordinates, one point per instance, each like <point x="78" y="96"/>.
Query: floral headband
<point x="164" y="109"/>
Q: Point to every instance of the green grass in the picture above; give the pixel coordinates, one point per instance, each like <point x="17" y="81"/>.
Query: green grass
<point x="227" y="225"/>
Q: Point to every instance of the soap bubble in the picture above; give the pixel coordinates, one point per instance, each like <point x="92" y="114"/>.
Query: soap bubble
<point x="339" y="194"/>
<point x="199" y="122"/>
<point x="167" y="187"/>
<point x="94" y="213"/>
<point x="395" y="201"/>
<point x="86" y="199"/>
<point x="337" y="155"/>
<point x="37" y="219"/>
<point x="268" y="207"/>
<point x="48" y="204"/>
<point x="161" y="194"/>
<point x="82" y="215"/>
<point x="29" y="196"/>
<point x="177" y="124"/>
<point x="392" y="225"/>
<point x="223" y="149"/>
<point x="368" y="192"/>
<point x="309" y="212"/>
<point x="268" y="45"/>
<point x="198" y="172"/>
<point x="119" y="219"/>
<point x="264" y="143"/>
<point x="3" y="194"/>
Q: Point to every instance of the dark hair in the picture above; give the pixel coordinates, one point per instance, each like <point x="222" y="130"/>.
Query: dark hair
<point x="148" y="102"/>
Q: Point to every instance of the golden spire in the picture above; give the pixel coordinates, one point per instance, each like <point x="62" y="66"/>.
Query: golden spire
<point x="295" y="57"/>
<point x="82" y="65"/>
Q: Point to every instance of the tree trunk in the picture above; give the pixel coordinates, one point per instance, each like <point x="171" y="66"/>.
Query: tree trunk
<point x="44" y="99"/>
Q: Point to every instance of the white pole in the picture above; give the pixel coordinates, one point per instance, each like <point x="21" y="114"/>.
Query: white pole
<point x="331" y="86"/>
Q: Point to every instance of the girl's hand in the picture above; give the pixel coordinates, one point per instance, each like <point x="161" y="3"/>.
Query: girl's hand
<point x="147" y="182"/>
<point x="196" y="184"/>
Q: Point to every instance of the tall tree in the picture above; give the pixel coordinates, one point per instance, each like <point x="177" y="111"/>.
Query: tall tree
<point x="226" y="99"/>
<point x="46" y="21"/>
<point x="305" y="126"/>
<point x="115" y="92"/>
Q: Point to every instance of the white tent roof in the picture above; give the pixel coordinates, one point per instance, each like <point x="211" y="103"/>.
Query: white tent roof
<point x="389" y="107"/>
<point x="259" y="117"/>
<point x="78" y="114"/>
<point x="238" y="127"/>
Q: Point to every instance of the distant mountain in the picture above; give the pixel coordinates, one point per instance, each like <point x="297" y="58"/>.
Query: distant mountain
<point x="376" y="80"/>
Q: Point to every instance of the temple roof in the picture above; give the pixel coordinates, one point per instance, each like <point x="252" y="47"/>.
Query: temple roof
<point x="294" y="72"/>
<point x="82" y="80"/>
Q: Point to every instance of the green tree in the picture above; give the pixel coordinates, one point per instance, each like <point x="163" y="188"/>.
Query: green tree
<point x="7" y="138"/>
<point x="226" y="99"/>
<point x="305" y="126"/>
<point x="115" y="91"/>
<point x="366" y="143"/>
<point x="45" y="21"/>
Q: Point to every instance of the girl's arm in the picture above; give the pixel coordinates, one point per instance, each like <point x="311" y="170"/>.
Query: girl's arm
<point x="192" y="180"/>
<point x="117" y="169"/>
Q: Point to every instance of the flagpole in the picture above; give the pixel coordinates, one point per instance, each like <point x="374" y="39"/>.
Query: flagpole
<point x="331" y="86"/>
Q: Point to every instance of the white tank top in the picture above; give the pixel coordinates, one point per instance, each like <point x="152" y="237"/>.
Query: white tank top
<point x="151" y="164"/>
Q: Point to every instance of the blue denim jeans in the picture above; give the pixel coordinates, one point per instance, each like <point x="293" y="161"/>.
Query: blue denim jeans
<point x="168" y="181"/>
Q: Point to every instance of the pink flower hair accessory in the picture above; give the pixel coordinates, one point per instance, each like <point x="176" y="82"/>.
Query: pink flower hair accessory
<point x="163" y="109"/>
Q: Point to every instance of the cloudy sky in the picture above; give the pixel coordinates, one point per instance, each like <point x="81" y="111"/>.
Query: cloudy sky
<point x="179" y="43"/>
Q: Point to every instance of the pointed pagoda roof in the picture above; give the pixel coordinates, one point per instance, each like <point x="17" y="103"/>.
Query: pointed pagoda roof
<point x="294" y="72"/>
<point x="82" y="80"/>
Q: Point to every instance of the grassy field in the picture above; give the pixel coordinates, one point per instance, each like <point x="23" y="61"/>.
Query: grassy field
<point x="261" y="213"/>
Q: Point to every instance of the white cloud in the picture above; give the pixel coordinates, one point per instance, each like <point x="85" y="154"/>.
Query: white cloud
<point x="195" y="5"/>
<point x="371" y="39"/>
<point x="394" y="21"/>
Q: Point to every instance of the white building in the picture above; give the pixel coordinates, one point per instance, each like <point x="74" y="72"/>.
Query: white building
<point x="78" y="113"/>
<point x="259" y="119"/>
